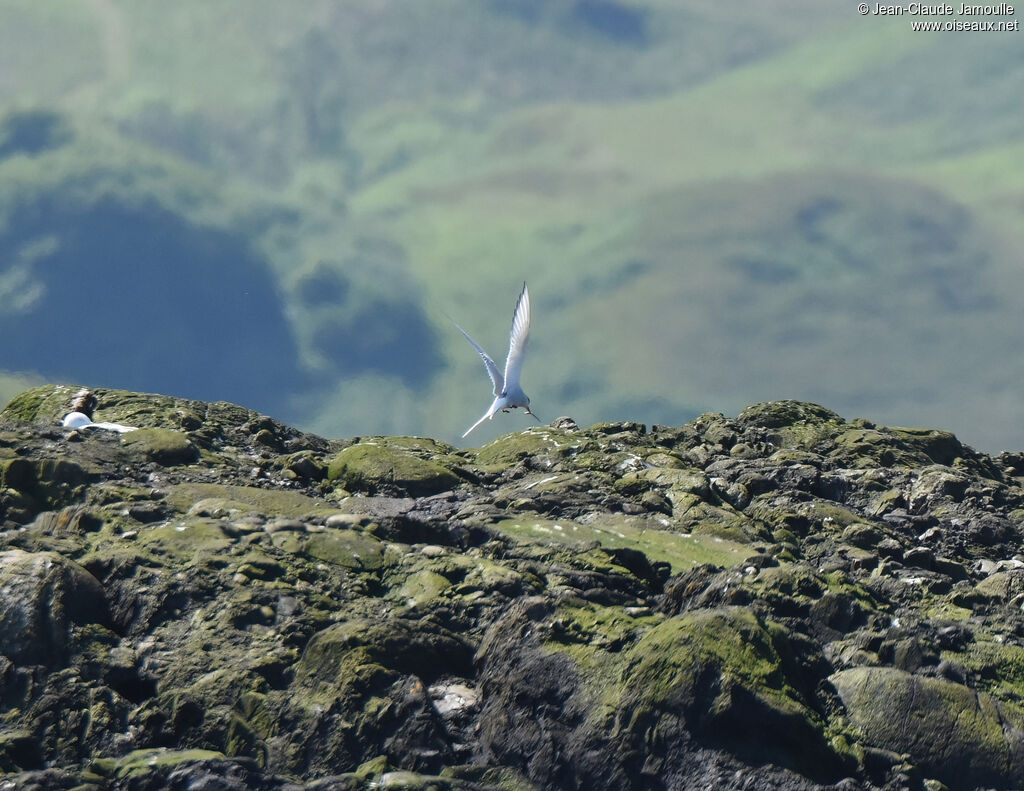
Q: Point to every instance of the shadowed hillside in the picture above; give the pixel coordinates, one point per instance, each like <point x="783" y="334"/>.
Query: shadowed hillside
<point x="131" y="294"/>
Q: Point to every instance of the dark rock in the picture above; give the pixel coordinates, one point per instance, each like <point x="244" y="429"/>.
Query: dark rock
<point x="17" y="473"/>
<point x="990" y="529"/>
<point x="863" y="536"/>
<point x="44" y="596"/>
<point x="147" y="512"/>
<point x="920" y="557"/>
<point x="837" y="611"/>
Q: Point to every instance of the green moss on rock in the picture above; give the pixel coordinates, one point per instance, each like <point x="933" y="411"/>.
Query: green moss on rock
<point x="955" y="734"/>
<point x="678" y="478"/>
<point x="376" y="467"/>
<point x="183" y="540"/>
<point x="666" y="663"/>
<point x="359" y="659"/>
<point x="727" y="673"/>
<point x="247" y="611"/>
<point x="508" y="449"/>
<point x="998" y="666"/>
<point x="240" y="500"/>
<point x="795" y="424"/>
<point x="423" y="587"/>
<point x="162" y="445"/>
<point x="618" y="531"/>
<point x="140" y="763"/>
<point x="693" y="514"/>
<point x="17" y="748"/>
<point x="420" y="445"/>
<point x="866" y="447"/>
<point x="17" y="473"/>
<point x="346" y="548"/>
<point x="581" y="628"/>
<point x="49" y="404"/>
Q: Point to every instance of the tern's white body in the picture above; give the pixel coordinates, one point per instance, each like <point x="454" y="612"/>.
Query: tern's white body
<point x="508" y="394"/>
<point x="81" y="420"/>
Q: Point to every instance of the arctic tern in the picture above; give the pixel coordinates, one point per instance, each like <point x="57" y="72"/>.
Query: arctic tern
<point x="508" y="394"/>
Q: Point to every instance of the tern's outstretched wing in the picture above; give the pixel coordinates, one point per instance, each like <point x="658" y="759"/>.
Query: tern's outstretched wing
<point x="517" y="341"/>
<point x="492" y="370"/>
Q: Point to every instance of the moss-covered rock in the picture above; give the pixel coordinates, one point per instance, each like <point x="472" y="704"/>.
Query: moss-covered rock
<point x="790" y="414"/>
<point x="374" y="467"/>
<point x="183" y="539"/>
<point x="953" y="733"/>
<point x="17" y="473"/>
<point x="164" y="446"/>
<point x="50" y="403"/>
<point x="753" y="601"/>
<point x="533" y="442"/>
<point x="731" y="676"/>
<point x="346" y="548"/>
<point x="241" y="499"/>
<point x="679" y="551"/>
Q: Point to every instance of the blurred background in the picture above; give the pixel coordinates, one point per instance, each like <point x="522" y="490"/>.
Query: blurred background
<point x="280" y="204"/>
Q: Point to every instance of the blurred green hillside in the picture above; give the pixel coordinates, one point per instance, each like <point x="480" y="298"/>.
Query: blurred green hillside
<point x="280" y="204"/>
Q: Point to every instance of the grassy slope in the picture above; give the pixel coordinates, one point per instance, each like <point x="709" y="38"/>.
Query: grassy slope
<point x="596" y="186"/>
<point x="627" y="215"/>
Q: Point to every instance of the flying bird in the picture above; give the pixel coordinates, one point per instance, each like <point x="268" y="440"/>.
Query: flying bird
<point x="508" y="394"/>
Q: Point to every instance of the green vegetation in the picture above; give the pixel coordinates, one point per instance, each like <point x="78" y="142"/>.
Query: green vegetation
<point x="371" y="466"/>
<point x="680" y="551"/>
<point x="282" y="209"/>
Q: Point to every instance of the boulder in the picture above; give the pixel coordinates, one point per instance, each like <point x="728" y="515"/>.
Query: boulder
<point x="955" y="734"/>
<point x="43" y="596"/>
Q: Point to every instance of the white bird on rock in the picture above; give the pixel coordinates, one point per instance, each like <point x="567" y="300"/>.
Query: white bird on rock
<point x="82" y="420"/>
<point x="82" y="406"/>
<point x="508" y="394"/>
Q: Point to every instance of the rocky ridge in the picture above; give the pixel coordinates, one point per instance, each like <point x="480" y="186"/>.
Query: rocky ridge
<point x="784" y="599"/>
